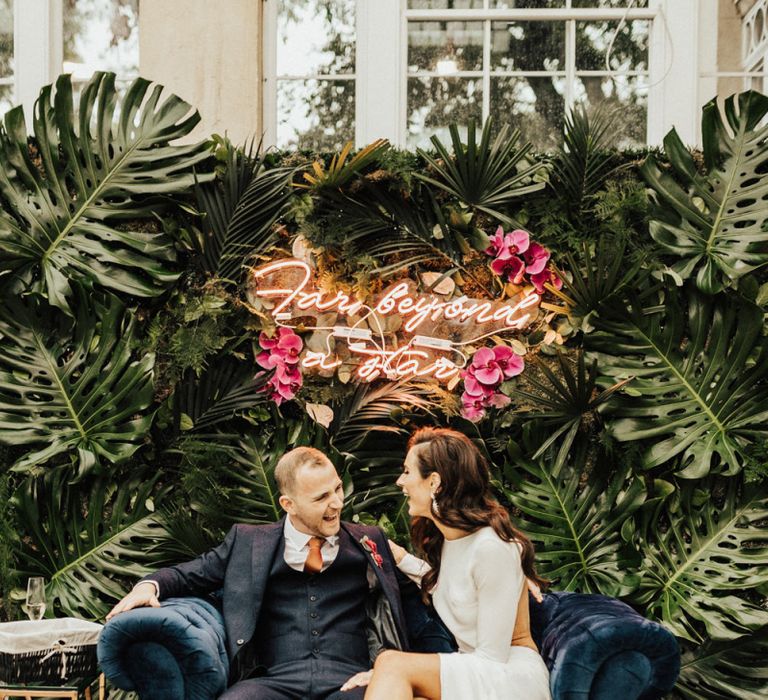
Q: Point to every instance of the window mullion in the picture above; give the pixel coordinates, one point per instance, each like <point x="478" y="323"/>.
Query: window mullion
<point x="486" y="69"/>
<point x="38" y="48"/>
<point x="570" y="64"/>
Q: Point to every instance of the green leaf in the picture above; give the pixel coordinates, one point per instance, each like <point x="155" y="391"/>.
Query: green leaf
<point x="486" y="176"/>
<point x="84" y="541"/>
<point x="80" y="213"/>
<point x="715" y="222"/>
<point x="733" y="669"/>
<point x="709" y="552"/>
<point x="700" y="365"/>
<point x="575" y="523"/>
<point x="71" y="386"/>
<point x="240" y="210"/>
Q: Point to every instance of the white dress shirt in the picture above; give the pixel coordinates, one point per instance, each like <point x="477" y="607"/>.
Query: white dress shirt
<point x="297" y="547"/>
<point x="296" y="550"/>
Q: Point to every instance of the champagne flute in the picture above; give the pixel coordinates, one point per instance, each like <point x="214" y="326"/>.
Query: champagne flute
<point x="35" y="607"/>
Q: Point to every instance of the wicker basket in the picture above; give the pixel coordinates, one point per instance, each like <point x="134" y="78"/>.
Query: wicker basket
<point x="48" y="652"/>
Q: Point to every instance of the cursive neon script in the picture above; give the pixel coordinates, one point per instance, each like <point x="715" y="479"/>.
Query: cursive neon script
<point x="398" y="300"/>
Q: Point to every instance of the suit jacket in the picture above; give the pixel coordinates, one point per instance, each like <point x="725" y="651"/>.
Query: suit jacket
<point x="240" y="567"/>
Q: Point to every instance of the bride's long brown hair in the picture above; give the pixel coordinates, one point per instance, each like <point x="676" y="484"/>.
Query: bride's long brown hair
<point x="464" y="499"/>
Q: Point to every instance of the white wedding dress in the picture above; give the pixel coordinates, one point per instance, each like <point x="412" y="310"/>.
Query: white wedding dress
<point x="477" y="593"/>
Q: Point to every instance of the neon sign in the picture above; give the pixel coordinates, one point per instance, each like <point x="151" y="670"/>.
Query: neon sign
<point x="398" y="334"/>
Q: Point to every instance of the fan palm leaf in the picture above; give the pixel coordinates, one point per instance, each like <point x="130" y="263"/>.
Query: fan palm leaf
<point x="75" y="214"/>
<point x="485" y="175"/>
<point x="241" y="209"/>
<point x="715" y="222"/>
<point x="71" y="386"/>
<point x="83" y="542"/>
<point x="712" y="549"/>
<point x="700" y="366"/>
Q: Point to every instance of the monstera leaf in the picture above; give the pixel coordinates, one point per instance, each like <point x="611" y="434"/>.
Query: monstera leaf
<point x="71" y="386"/>
<point x="81" y="210"/>
<point x="700" y="365"/>
<point x="713" y="547"/>
<point x="716" y="221"/>
<point x="83" y="541"/>
<point x="575" y="523"/>
<point x="733" y="669"/>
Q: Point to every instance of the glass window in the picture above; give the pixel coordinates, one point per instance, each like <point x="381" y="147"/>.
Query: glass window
<point x="527" y="71"/>
<point x="6" y="56"/>
<point x="101" y="35"/>
<point x="315" y="80"/>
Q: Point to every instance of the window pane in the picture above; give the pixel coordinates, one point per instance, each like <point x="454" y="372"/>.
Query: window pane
<point x="525" y="4"/>
<point x="629" y="50"/>
<point x="445" y="47"/>
<point x="315" y="38"/>
<point x="6" y="38"/>
<point x="101" y="35"/>
<point x="627" y="95"/>
<point x="638" y="4"/>
<point x="526" y="46"/>
<point x="445" y="4"/>
<point x="533" y="105"/>
<point x="435" y="103"/>
<point x="315" y="114"/>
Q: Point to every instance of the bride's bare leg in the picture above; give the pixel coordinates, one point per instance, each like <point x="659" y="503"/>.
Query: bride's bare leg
<point x="401" y="676"/>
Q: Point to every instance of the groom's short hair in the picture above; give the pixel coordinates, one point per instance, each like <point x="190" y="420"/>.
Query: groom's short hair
<point x="292" y="461"/>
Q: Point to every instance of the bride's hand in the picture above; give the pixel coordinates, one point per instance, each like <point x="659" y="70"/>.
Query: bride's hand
<point x="397" y="551"/>
<point x="359" y="680"/>
<point x="534" y="590"/>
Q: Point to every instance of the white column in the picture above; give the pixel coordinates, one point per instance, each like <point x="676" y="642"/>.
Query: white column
<point x="379" y="71"/>
<point x="209" y="54"/>
<point x="674" y="95"/>
<point x="37" y="49"/>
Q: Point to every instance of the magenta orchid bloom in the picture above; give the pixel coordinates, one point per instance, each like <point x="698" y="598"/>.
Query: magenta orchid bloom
<point x="485" y="368"/>
<point x="281" y="353"/>
<point x="512" y="268"/>
<point x="475" y="389"/>
<point x="544" y="277"/>
<point x="472" y="409"/>
<point x="497" y="243"/>
<point x="536" y="258"/>
<point x="509" y="363"/>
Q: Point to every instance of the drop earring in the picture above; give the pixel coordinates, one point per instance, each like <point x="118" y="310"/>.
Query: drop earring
<point x="435" y="507"/>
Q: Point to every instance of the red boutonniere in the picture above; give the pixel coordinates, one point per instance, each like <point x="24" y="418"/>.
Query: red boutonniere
<point x="370" y="546"/>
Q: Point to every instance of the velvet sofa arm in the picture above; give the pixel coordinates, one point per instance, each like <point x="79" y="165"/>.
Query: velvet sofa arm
<point x="175" y="652"/>
<point x="598" y="648"/>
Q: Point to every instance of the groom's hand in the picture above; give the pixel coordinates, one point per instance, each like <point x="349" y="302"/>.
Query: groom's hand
<point x="142" y="595"/>
<point x="359" y="680"/>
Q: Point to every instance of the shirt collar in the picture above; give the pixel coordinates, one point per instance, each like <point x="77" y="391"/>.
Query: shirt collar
<point x="301" y="539"/>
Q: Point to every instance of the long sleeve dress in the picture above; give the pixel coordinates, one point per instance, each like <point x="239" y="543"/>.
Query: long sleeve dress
<point x="477" y="595"/>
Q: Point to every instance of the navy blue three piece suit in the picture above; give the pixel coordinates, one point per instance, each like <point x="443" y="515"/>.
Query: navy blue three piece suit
<point x="294" y="635"/>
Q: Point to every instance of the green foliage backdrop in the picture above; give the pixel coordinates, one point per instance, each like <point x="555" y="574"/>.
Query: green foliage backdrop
<point x="134" y="425"/>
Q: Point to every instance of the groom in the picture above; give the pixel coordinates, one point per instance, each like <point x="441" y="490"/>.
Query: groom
<point x="308" y="602"/>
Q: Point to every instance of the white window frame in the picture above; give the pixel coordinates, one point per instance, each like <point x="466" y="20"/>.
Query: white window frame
<point x="382" y="50"/>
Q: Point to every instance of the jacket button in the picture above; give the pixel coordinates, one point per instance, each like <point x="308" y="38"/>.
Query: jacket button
<point x="313" y="598"/>
<point x="315" y="633"/>
<point x="241" y="641"/>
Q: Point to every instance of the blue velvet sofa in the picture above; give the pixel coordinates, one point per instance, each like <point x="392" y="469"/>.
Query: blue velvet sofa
<point x="596" y="648"/>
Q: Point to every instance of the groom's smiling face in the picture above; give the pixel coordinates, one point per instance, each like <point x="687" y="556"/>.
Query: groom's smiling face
<point x="315" y="503"/>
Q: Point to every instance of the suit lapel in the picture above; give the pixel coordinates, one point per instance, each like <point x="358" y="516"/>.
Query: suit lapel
<point x="385" y="573"/>
<point x="266" y="546"/>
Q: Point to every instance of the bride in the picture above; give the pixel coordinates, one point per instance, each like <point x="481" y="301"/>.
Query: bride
<point x="475" y="570"/>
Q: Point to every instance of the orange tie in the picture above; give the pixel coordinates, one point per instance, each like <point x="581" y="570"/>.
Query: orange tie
<point x="314" y="562"/>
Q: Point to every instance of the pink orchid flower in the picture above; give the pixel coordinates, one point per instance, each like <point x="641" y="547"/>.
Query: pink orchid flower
<point x="475" y="389"/>
<point x="472" y="409"/>
<point x="497" y="243"/>
<point x="288" y="348"/>
<point x="544" y="277"/>
<point x="486" y="369"/>
<point x="536" y="258"/>
<point x="512" y="268"/>
<point x="509" y="363"/>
